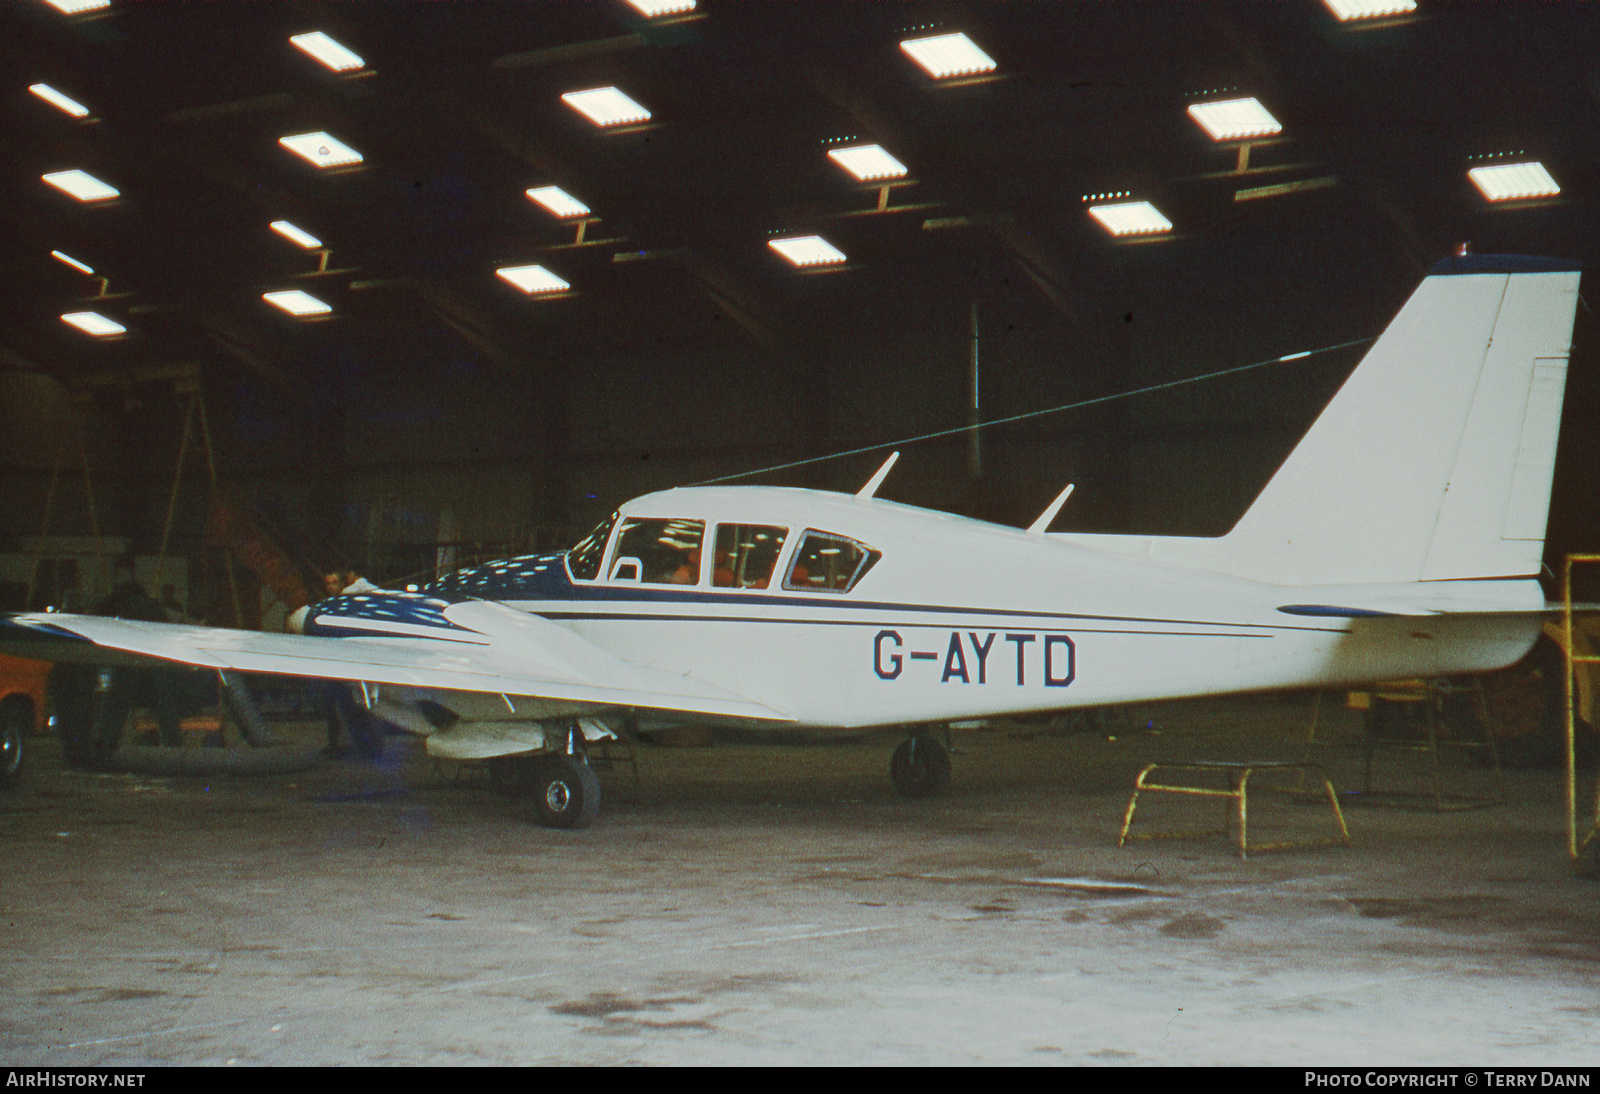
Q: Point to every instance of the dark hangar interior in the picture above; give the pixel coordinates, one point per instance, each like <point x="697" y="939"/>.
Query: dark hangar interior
<point x="436" y="403"/>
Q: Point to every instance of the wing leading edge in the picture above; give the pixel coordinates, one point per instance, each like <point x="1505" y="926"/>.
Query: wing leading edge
<point x="530" y="656"/>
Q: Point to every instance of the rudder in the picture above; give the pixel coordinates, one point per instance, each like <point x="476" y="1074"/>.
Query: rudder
<point x="1434" y="460"/>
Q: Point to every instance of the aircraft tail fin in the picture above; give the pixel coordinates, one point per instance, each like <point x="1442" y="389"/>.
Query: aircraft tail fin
<point x="1434" y="460"/>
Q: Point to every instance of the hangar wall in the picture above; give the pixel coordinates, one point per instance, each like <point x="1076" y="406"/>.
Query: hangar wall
<point x="408" y="438"/>
<point x="412" y="439"/>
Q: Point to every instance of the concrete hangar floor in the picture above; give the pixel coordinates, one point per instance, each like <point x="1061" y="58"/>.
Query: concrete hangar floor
<point x="779" y="904"/>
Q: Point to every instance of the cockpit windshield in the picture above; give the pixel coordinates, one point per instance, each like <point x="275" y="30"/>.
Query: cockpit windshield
<point x="583" y="561"/>
<point x="659" y="551"/>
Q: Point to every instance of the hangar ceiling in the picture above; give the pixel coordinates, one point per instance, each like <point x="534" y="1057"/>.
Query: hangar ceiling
<point x="1309" y="239"/>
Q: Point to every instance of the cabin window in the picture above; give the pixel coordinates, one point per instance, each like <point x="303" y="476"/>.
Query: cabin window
<point x="658" y="551"/>
<point x="746" y="555"/>
<point x="583" y="561"/>
<point x="828" y="563"/>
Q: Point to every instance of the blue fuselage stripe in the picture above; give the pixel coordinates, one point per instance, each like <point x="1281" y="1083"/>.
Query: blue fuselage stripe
<point x="878" y="606"/>
<point x="885" y="622"/>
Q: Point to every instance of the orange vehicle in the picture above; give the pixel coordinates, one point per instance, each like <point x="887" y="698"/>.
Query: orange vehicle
<point x="22" y="710"/>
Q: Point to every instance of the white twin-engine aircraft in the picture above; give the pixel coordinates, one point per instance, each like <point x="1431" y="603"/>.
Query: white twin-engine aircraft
<point x="1401" y="538"/>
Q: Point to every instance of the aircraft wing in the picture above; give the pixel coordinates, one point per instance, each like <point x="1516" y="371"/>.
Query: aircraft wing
<point x="526" y="655"/>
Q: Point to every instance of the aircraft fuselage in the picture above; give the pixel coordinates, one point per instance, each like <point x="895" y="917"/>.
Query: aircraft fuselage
<point x="944" y="618"/>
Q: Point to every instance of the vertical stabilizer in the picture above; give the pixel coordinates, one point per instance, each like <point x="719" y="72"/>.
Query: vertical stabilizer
<point x="1434" y="460"/>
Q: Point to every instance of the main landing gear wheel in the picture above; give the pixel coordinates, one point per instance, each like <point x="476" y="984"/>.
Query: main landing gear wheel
<point x="567" y="793"/>
<point x="920" y="767"/>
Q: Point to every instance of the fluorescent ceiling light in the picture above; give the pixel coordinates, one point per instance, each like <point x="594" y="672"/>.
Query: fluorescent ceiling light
<point x="807" y="250"/>
<point x="81" y="185"/>
<point x="1347" y="10"/>
<point x="605" y="106"/>
<point x="558" y="201"/>
<point x="296" y="302"/>
<point x="326" y="50"/>
<point x="533" y="279"/>
<point x="1507" y="181"/>
<point x="948" y="55"/>
<point x="868" y="161"/>
<point x="82" y="267"/>
<point x="1130" y="218"/>
<point x="92" y="322"/>
<point x="652" y="8"/>
<point x="1234" y="119"/>
<point x="73" y="7"/>
<point x="321" y="149"/>
<point x="289" y="231"/>
<point x="56" y="99"/>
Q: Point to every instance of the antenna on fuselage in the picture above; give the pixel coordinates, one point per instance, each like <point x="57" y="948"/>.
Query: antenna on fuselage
<point x="866" y="492"/>
<point x="1037" y="527"/>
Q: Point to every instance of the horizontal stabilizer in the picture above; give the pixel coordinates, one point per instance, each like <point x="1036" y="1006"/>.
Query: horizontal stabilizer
<point x="1427" y="599"/>
<point x="1336" y="611"/>
<point x="1347" y="611"/>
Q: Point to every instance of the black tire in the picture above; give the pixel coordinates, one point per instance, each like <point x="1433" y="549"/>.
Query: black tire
<point x="16" y="719"/>
<point x="920" y="767"/>
<point x="567" y="793"/>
